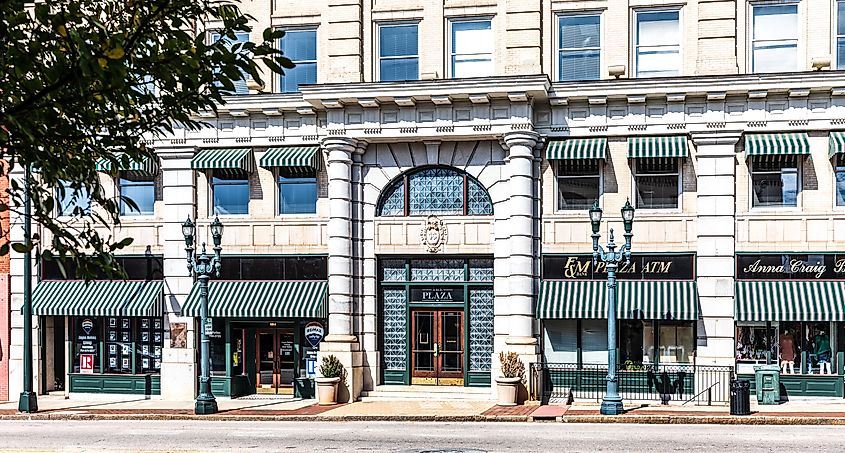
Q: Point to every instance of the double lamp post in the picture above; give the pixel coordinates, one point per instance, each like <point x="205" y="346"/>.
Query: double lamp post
<point x="203" y="266"/>
<point x="611" y="404"/>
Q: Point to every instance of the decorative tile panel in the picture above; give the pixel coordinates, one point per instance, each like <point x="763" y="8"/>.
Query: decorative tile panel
<point x="481" y="270"/>
<point x="448" y="270"/>
<point x="479" y="201"/>
<point x="393" y="271"/>
<point x="395" y="302"/>
<point x="480" y="329"/>
<point x="436" y="191"/>
<point x="394" y="202"/>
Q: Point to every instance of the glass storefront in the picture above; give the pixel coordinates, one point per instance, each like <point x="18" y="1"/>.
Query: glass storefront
<point x="118" y="345"/>
<point x="797" y="347"/>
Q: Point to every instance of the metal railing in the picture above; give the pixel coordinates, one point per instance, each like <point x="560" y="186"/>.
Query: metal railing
<point x="672" y="382"/>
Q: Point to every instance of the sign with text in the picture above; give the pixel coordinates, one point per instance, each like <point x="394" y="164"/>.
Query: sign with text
<point x="86" y="363"/>
<point x="314" y="333"/>
<point x="790" y="266"/>
<point x="641" y="267"/>
<point x="437" y="295"/>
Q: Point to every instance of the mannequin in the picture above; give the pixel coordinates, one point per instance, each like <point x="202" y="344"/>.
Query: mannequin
<point x="821" y="347"/>
<point x="787" y="352"/>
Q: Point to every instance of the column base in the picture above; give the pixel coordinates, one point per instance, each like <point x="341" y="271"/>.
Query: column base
<point x="206" y="405"/>
<point x="348" y="351"/>
<point x="28" y="402"/>
<point x="611" y="406"/>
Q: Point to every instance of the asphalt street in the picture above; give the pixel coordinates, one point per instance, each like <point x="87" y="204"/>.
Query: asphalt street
<point x="214" y="436"/>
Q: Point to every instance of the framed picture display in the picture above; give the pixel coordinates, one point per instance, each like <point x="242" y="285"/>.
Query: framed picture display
<point x="145" y="336"/>
<point x="145" y="323"/>
<point x="125" y="363"/>
<point x="145" y="350"/>
<point x="125" y="337"/>
<point x="125" y="349"/>
<point x="125" y="323"/>
<point x="157" y="363"/>
<point x="112" y="322"/>
<point x="112" y="335"/>
<point x="157" y="324"/>
<point x="145" y="363"/>
<point x="157" y="351"/>
<point x="157" y="338"/>
<point x="112" y="362"/>
<point x="112" y="349"/>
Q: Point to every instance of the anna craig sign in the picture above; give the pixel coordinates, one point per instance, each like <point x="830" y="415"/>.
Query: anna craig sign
<point x="641" y="267"/>
<point x="789" y="266"/>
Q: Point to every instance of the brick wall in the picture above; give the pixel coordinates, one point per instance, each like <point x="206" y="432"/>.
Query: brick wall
<point x="5" y="315"/>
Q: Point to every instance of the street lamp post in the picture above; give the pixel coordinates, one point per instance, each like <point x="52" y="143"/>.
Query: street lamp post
<point x="203" y="266"/>
<point x="611" y="404"/>
<point x="28" y="401"/>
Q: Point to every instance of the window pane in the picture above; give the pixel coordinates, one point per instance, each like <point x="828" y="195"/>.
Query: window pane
<point x="658" y="28"/>
<point x="394" y="202"/>
<point x="297" y="195"/>
<point x="300" y="45"/>
<point x="142" y="193"/>
<point x="472" y="37"/>
<point x="578" y="167"/>
<point x="776" y="189"/>
<point x="658" y="61"/>
<point x="676" y="343"/>
<point x="840" y="53"/>
<point x="657" y="192"/>
<point x="399" y="69"/>
<point x="594" y="341"/>
<point x="240" y="85"/>
<point x="775" y="57"/>
<point x="230" y="196"/>
<point x="577" y="193"/>
<point x="776" y="22"/>
<point x="577" y="32"/>
<point x="472" y="66"/>
<point x="579" y="65"/>
<point x="840" y="186"/>
<point x="398" y="40"/>
<point x="436" y="191"/>
<point x="561" y="341"/>
<point x="479" y="202"/>
<point x="302" y="74"/>
<point x="72" y="199"/>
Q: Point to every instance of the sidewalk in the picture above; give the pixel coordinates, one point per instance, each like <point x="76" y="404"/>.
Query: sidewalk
<point x="797" y="412"/>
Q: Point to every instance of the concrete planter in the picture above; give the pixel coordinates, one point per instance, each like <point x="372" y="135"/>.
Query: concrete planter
<point x="327" y="390"/>
<point x="507" y="389"/>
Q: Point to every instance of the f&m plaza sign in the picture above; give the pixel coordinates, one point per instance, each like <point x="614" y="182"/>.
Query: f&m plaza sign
<point x="641" y="267"/>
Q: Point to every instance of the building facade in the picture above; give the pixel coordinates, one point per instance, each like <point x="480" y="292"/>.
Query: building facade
<point x="412" y="199"/>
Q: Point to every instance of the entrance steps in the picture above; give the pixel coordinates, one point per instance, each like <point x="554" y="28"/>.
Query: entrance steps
<point x="427" y="392"/>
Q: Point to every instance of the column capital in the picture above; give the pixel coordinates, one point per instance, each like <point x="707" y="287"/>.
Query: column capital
<point x="520" y="138"/>
<point x="347" y="144"/>
<point x="716" y="137"/>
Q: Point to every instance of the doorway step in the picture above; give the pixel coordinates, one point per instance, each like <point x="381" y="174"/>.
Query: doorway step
<point x="427" y="392"/>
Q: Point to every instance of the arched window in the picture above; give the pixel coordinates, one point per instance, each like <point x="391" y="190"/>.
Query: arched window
<point x="435" y="190"/>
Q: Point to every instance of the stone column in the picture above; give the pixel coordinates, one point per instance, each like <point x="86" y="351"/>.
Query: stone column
<point x="179" y="194"/>
<point x="522" y="231"/>
<point x="341" y="340"/>
<point x="716" y="225"/>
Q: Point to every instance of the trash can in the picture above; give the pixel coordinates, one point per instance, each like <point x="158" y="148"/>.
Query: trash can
<point x="767" y="384"/>
<point x="740" y="397"/>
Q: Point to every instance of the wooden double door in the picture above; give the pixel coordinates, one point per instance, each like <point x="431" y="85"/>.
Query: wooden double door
<point x="275" y="360"/>
<point x="437" y="346"/>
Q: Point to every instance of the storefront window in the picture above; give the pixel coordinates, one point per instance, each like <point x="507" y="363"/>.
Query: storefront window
<point x="238" y="343"/>
<point x="637" y="339"/>
<point x="129" y="345"/>
<point x="631" y="342"/>
<point x="675" y="342"/>
<point x="798" y="347"/>
<point x="217" y="341"/>
<point x="755" y="343"/>
<point x="774" y="181"/>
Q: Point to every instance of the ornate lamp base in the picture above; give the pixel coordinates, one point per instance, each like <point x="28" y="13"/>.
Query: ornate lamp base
<point x="611" y="406"/>
<point x="206" y="405"/>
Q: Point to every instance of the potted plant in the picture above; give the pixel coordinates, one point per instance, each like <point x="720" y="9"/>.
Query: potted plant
<point x="332" y="372"/>
<point x="513" y="373"/>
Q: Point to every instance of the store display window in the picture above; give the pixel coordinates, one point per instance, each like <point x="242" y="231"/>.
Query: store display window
<point x="656" y="342"/>
<point x="118" y="345"/>
<point x="796" y="347"/>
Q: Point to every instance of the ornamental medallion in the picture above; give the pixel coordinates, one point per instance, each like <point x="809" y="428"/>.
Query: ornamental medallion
<point x="434" y="234"/>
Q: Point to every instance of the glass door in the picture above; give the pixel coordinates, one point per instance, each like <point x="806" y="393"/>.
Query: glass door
<point x="437" y="348"/>
<point x="274" y="361"/>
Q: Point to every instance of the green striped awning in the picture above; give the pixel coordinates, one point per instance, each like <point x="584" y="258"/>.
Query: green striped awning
<point x="666" y="146"/>
<point x="585" y="299"/>
<point x="776" y="144"/>
<point x="261" y="299"/>
<point x="790" y="301"/>
<point x="97" y="298"/>
<point x="145" y="166"/>
<point x="224" y="158"/>
<point x="577" y="148"/>
<point x="290" y="156"/>
<point x="836" y="143"/>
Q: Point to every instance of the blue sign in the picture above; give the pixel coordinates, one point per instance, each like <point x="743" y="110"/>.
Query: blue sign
<point x="311" y="368"/>
<point x="314" y="333"/>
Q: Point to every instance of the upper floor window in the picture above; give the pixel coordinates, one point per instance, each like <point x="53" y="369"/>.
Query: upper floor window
<point x="774" y="38"/>
<point x="297" y="191"/>
<point x="578" y="183"/>
<point x="435" y="190"/>
<point x="657" y="182"/>
<point x="230" y="192"/>
<point x="658" y="48"/>
<point x="471" y="52"/>
<point x="398" y="52"/>
<point x="774" y="180"/>
<point x="840" y="179"/>
<point x="579" y="47"/>
<point x="240" y="85"/>
<point x="300" y="46"/>
<point x="138" y="188"/>
<point x="840" y="35"/>
<point x="73" y="201"/>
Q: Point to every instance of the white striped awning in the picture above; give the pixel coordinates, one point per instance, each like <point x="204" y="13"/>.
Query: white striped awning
<point x="587" y="299"/>
<point x="836" y="143"/>
<point x="261" y="299"/>
<point x="224" y="159"/>
<point x="291" y="156"/>
<point x="97" y="298"/>
<point x="665" y="146"/>
<point x="793" y="143"/>
<point x="577" y="148"/>
<point x="790" y="301"/>
<point x="146" y="166"/>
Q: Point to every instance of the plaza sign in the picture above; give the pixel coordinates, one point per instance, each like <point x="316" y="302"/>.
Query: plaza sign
<point x="641" y="267"/>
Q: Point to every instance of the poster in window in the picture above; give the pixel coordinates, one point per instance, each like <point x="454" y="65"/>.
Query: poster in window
<point x="145" y="323"/>
<point x="157" y="363"/>
<point x="112" y="322"/>
<point x="178" y="335"/>
<point x="112" y="362"/>
<point x="125" y="337"/>
<point x="145" y="337"/>
<point x="157" y="338"/>
<point x="158" y="351"/>
<point x="145" y="363"/>
<point x="112" y="335"/>
<point x="125" y="349"/>
<point x="145" y="350"/>
<point x="125" y="323"/>
<point x="125" y="363"/>
<point x="157" y="324"/>
<point x="112" y="349"/>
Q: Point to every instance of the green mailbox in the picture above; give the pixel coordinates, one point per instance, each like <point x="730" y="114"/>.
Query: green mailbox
<point x="767" y="384"/>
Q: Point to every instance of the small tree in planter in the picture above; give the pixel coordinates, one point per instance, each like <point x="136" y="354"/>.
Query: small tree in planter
<point x="513" y="374"/>
<point x="332" y="372"/>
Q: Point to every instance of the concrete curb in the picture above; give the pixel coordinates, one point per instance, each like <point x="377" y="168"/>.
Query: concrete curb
<point x="625" y="419"/>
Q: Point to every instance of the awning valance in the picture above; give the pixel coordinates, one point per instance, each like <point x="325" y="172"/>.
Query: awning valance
<point x="836" y="143"/>
<point x="577" y="148"/>
<point x="261" y="299"/>
<point x="146" y="166"/>
<point x="666" y="146"/>
<point x="587" y="299"/>
<point x="97" y="298"/>
<point x="291" y="156"/>
<point x="777" y="144"/>
<point x="790" y="301"/>
<point x="224" y="159"/>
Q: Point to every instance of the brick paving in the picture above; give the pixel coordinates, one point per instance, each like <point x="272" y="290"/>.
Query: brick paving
<point x="499" y="411"/>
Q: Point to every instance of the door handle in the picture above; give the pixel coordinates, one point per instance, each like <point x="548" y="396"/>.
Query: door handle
<point x="436" y="349"/>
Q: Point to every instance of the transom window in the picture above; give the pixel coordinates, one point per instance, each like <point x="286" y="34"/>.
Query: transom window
<point x="435" y="190"/>
<point x="774" y="45"/>
<point x="774" y="180"/>
<point x="658" y="43"/>
<point x="579" y="47"/>
<point x="657" y="180"/>
<point x="578" y="183"/>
